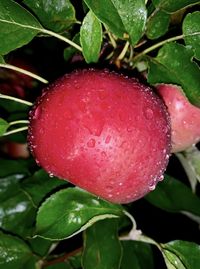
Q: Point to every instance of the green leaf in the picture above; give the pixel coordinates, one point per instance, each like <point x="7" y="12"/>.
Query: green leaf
<point x="187" y="252"/>
<point x="102" y="247"/>
<point x="70" y="51"/>
<point x="17" y="26"/>
<point x="71" y="211"/>
<point x="91" y="37"/>
<point x="61" y="265"/>
<point x="17" y="214"/>
<point x="2" y="60"/>
<point x="172" y="261"/>
<point x="55" y="15"/>
<point x="40" y="246"/>
<point x="9" y="167"/>
<point x="14" y="253"/>
<point x="39" y="185"/>
<point x="121" y="17"/>
<point x="174" y="64"/>
<point x="172" y="6"/>
<point x="107" y="13"/>
<point x="157" y="24"/>
<point x="174" y="196"/>
<point x="3" y="126"/>
<point x="133" y="14"/>
<point x="191" y="26"/>
<point x="136" y="255"/>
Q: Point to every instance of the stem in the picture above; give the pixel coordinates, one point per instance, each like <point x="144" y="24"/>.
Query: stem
<point x="7" y="97"/>
<point x="16" y="131"/>
<point x="123" y="52"/>
<point x="18" y="122"/>
<point x="62" y="38"/>
<point x="155" y="46"/>
<point x="23" y="71"/>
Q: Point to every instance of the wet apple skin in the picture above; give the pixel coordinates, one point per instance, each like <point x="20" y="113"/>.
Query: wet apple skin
<point x="103" y="132"/>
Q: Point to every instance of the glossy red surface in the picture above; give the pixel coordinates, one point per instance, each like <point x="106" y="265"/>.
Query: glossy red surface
<point x="103" y="132"/>
<point x="185" y="118"/>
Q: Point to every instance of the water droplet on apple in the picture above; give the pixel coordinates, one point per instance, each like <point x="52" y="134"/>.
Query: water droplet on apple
<point x="37" y="113"/>
<point x="148" y="113"/>
<point x="108" y="138"/>
<point x="91" y="143"/>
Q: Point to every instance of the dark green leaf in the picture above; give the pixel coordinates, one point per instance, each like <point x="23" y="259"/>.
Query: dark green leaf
<point x="122" y="17"/>
<point x="61" y="265"/>
<point x="3" y="126"/>
<point x="157" y="24"/>
<point x="172" y="6"/>
<point x="14" y="253"/>
<point x="174" y="196"/>
<point x="102" y="247"/>
<point x="17" y="214"/>
<point x="40" y="246"/>
<point x="136" y="255"/>
<point x="2" y="60"/>
<point x="133" y="14"/>
<point x="70" y="51"/>
<point x="191" y="26"/>
<point x="71" y="211"/>
<point x="17" y="26"/>
<point x="91" y="37"/>
<point x="10" y="167"/>
<point x="174" y="64"/>
<point x="107" y="13"/>
<point x="55" y="15"/>
<point x="39" y="185"/>
<point x="187" y="252"/>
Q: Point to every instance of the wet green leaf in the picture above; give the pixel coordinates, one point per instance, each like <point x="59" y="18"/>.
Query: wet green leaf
<point x="157" y="24"/>
<point x="188" y="253"/>
<point x="71" y="211"/>
<point x="166" y="193"/>
<point x="191" y="26"/>
<point x="136" y="255"/>
<point x="91" y="37"/>
<point x="55" y="15"/>
<point x="174" y="64"/>
<point x="17" y="26"/>
<point x="10" y="167"/>
<point x="3" y="126"/>
<point x="102" y="247"/>
<point x="39" y="185"/>
<point x="107" y="13"/>
<point x="15" y="253"/>
<point x="172" y="6"/>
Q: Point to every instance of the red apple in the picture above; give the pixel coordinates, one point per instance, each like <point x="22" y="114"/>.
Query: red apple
<point x="104" y="132"/>
<point x="185" y="117"/>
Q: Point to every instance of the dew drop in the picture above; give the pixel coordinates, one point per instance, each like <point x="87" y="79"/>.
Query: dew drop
<point x="108" y="138"/>
<point x="148" y="113"/>
<point x="103" y="154"/>
<point x="91" y="143"/>
<point x="161" y="178"/>
<point x="152" y="187"/>
<point x="37" y="113"/>
<point x="51" y="174"/>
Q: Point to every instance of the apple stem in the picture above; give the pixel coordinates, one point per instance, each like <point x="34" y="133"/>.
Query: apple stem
<point x="18" y="122"/>
<point x="123" y="52"/>
<point x="25" y="72"/>
<point x="8" y="97"/>
<point x="15" y="131"/>
<point x="159" y="44"/>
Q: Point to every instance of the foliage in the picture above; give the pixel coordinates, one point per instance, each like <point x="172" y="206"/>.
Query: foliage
<point x="40" y="215"/>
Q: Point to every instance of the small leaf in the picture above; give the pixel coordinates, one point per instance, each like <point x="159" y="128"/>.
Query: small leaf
<point x="3" y="126"/>
<point x="174" y="196"/>
<point x="157" y="24"/>
<point x="55" y="15"/>
<point x="191" y="26"/>
<point x="71" y="211"/>
<point x="2" y="60"/>
<point x="172" y="6"/>
<point x="102" y="247"/>
<point x="70" y="51"/>
<point x="17" y="26"/>
<point x="107" y="13"/>
<point x="174" y="64"/>
<point x="14" y="253"/>
<point x="136" y="255"/>
<point x="91" y="37"/>
<point x="187" y="252"/>
<point x="39" y="185"/>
